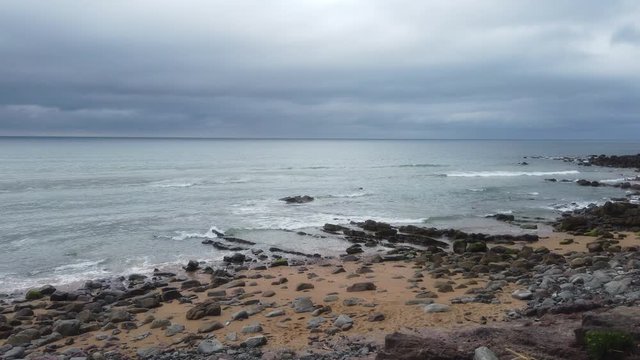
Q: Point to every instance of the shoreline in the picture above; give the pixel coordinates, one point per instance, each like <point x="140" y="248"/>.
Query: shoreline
<point x="354" y="302"/>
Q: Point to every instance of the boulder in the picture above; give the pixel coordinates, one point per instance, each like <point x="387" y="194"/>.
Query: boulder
<point x="210" y="346"/>
<point x="363" y="286"/>
<point x="298" y="199"/>
<point x="483" y="353"/>
<point x="192" y="266"/>
<point x="67" y="327"/>
<point x="303" y="304"/>
<point x="204" y="309"/>
<point x="255" y="341"/>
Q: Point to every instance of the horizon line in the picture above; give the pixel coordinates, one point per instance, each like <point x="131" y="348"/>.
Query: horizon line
<point x="294" y="138"/>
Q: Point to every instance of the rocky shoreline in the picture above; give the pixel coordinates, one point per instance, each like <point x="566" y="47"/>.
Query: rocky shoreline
<point x="398" y="292"/>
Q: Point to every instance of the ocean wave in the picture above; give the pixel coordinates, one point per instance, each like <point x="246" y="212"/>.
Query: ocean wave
<point x="477" y="189"/>
<point x="572" y="206"/>
<point x="317" y="221"/>
<point x="184" y="235"/>
<point x="419" y="165"/>
<point x="509" y="173"/>
<point x="351" y="195"/>
<point x="174" y="184"/>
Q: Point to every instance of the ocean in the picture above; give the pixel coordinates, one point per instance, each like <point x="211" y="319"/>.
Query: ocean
<point x="80" y="208"/>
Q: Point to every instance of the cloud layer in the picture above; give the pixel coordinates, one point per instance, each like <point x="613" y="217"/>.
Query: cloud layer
<point x="323" y="68"/>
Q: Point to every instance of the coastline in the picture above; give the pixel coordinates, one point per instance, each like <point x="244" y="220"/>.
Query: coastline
<point x="404" y="290"/>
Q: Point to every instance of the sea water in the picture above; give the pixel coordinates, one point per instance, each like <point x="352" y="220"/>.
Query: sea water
<point x="78" y="208"/>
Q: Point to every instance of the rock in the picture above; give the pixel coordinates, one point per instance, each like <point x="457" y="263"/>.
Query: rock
<point x="210" y="346"/>
<point x="67" y="327"/>
<point x="192" y="266"/>
<point x="617" y="287"/>
<point x="354" y="249"/>
<point x="483" y="353"/>
<point x="14" y="353"/>
<point x="171" y="294"/>
<point x="33" y="294"/>
<point x="622" y="318"/>
<point x="522" y="294"/>
<point x="597" y="246"/>
<point x="331" y="298"/>
<point x="504" y="217"/>
<point x="343" y="321"/>
<point x="298" y="199"/>
<point x="240" y="315"/>
<point x="236" y="258"/>
<point x="459" y="246"/>
<point x="174" y="330"/>
<point x="477" y="247"/>
<point x="268" y="293"/>
<point x="444" y="288"/>
<point x="376" y="317"/>
<point x="148" y="353"/>
<point x="216" y="325"/>
<point x="303" y="304"/>
<point x="315" y="322"/>
<point x="436" y="308"/>
<point x="275" y="313"/>
<point x="119" y="316"/>
<point x="304" y="286"/>
<point x="59" y="296"/>
<point x="204" y="309"/>
<point x="280" y="262"/>
<point x="255" y="341"/>
<point x="160" y="324"/>
<point x="364" y="286"/>
<point x="147" y="302"/>
<point x="252" y="329"/>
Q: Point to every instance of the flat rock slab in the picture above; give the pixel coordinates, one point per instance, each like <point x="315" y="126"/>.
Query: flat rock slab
<point x="363" y="286"/>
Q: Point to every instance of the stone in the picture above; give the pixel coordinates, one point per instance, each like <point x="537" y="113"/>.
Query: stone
<point x="119" y="316"/>
<point x="522" y="294"/>
<point x="171" y="294"/>
<point x="268" y="293"/>
<point x="160" y="324"/>
<point x="303" y="304"/>
<point x="298" y="199"/>
<point x="330" y="298"/>
<point x="252" y="329"/>
<point x="210" y="346"/>
<point x="148" y="353"/>
<point x="315" y="322"/>
<point x="236" y="258"/>
<point x="67" y="327"/>
<point x="275" y="313"/>
<point x="204" y="309"/>
<point x="343" y="321"/>
<point x="483" y="353"/>
<point x="240" y="315"/>
<point x="436" y="308"/>
<point x="363" y="286"/>
<point x="147" y="302"/>
<point x="174" y="330"/>
<point x="255" y="341"/>
<point x="14" y="353"/>
<point x="213" y="326"/>
<point x="617" y="287"/>
<point x="376" y="317"/>
<point x="304" y="286"/>
<point x="192" y="266"/>
<point x="33" y="294"/>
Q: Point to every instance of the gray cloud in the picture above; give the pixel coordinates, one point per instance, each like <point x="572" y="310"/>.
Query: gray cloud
<point x="402" y="69"/>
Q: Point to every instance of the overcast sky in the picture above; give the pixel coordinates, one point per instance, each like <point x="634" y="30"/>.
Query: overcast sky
<point x="345" y="69"/>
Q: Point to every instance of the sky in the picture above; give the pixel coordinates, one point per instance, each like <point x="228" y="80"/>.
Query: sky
<point x="321" y="69"/>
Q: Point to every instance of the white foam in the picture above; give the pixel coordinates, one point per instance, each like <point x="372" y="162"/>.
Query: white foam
<point x="577" y="205"/>
<point x="614" y="181"/>
<point x="174" y="184"/>
<point x="351" y="195"/>
<point x="477" y="189"/>
<point x="210" y="234"/>
<point x="510" y="173"/>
